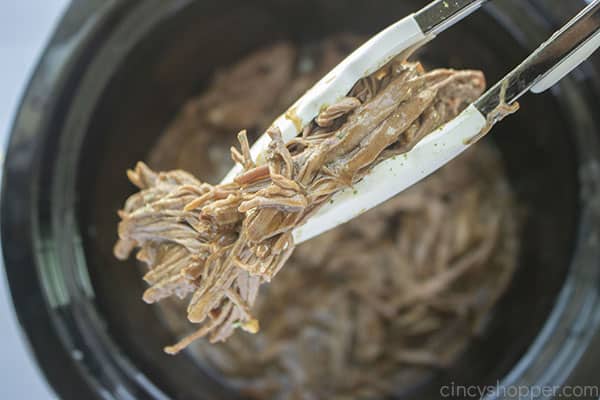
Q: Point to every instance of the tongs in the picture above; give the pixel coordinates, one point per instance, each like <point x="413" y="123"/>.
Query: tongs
<point x="549" y="63"/>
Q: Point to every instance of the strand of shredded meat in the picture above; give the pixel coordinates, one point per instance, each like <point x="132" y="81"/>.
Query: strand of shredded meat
<point x="220" y="242"/>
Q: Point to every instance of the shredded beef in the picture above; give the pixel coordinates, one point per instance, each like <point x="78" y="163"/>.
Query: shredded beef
<point x="404" y="284"/>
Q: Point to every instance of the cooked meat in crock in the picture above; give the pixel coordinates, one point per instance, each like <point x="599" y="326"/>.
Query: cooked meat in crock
<point x="404" y="284"/>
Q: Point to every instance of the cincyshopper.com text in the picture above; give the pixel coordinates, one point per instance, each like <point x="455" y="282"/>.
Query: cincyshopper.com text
<point x="521" y="392"/>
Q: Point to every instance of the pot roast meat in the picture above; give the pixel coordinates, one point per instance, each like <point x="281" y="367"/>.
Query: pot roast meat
<point x="369" y="305"/>
<point x="245" y="227"/>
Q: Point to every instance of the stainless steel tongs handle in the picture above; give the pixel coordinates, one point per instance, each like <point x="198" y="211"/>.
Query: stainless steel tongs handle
<point x="550" y="62"/>
<point x="566" y="49"/>
<point x="439" y="15"/>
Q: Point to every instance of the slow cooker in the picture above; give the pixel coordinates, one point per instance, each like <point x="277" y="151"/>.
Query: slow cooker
<point x="112" y="77"/>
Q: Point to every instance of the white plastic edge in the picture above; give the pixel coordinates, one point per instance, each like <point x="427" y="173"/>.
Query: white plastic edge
<point x="365" y="60"/>
<point x="394" y="175"/>
<point x="568" y="64"/>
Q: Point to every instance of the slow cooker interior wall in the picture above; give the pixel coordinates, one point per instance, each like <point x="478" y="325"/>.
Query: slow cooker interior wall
<point x="167" y="67"/>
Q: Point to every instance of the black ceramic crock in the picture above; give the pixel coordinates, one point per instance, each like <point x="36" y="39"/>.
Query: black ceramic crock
<point x="112" y="77"/>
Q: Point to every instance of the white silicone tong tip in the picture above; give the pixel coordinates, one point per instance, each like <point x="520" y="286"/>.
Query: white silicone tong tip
<point x="395" y="174"/>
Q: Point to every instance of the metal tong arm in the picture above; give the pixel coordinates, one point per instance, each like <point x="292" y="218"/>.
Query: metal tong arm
<point x="547" y="65"/>
<point x="439" y="15"/>
<point x="550" y="62"/>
